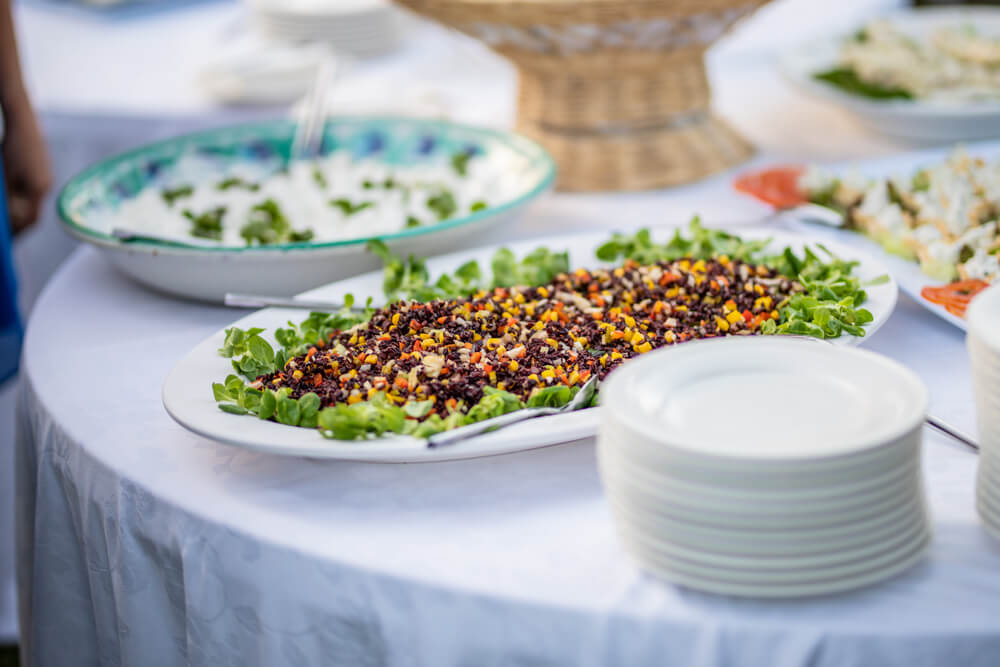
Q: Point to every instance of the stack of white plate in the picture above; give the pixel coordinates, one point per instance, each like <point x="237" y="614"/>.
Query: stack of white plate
<point x="983" y="341"/>
<point x="357" y="27"/>
<point x="766" y="466"/>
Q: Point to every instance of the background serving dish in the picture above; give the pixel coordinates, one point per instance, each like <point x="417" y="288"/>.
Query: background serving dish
<point x="90" y="198"/>
<point x="920" y="120"/>
<point x="187" y="396"/>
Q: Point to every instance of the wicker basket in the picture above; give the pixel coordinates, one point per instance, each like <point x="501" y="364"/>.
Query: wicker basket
<point x="615" y="89"/>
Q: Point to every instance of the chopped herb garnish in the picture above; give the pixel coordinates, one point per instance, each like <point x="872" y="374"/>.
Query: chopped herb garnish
<point x="170" y="195"/>
<point x="318" y="177"/>
<point x="848" y="80"/>
<point x="460" y="163"/>
<point x="412" y="221"/>
<point x="443" y="204"/>
<point x="237" y="182"/>
<point x="348" y="208"/>
<point x="207" y="225"/>
<point x="268" y="226"/>
<point x="477" y="206"/>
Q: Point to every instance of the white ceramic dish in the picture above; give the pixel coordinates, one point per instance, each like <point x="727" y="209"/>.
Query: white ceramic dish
<point x="904" y="525"/>
<point x="525" y="168"/>
<point x="673" y="396"/>
<point x="751" y="538"/>
<point x="909" y="119"/>
<point x="739" y="518"/>
<point x="782" y="487"/>
<point x="897" y="558"/>
<point x="983" y="342"/>
<point x="635" y="446"/>
<point x="663" y="492"/>
<point x="187" y="393"/>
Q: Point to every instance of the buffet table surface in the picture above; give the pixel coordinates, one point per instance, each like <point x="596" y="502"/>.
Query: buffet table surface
<point x="143" y="544"/>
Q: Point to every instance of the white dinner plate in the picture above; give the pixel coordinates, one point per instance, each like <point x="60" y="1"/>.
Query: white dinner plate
<point x="739" y="518"/>
<point x="897" y="558"/>
<point x="928" y="121"/>
<point x="701" y="500"/>
<point x="674" y="396"/>
<point x="750" y="538"/>
<point x="187" y="394"/>
<point x="906" y="523"/>
<point x="629" y="444"/>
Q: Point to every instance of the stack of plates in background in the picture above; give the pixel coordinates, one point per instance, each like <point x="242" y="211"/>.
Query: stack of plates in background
<point x="766" y="466"/>
<point x="357" y="27"/>
<point x="983" y="341"/>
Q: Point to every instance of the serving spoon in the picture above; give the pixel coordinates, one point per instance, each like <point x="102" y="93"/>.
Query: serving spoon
<point x="580" y="401"/>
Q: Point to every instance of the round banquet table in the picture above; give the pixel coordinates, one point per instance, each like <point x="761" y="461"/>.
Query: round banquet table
<point x="143" y="544"/>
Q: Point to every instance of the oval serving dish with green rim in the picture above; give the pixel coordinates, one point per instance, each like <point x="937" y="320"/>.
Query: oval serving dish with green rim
<point x="207" y="273"/>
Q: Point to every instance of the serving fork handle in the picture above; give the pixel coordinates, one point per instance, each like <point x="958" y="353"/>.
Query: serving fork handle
<point x="492" y="424"/>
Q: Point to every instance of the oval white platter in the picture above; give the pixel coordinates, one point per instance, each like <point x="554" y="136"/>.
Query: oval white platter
<point x="921" y="120"/>
<point x="187" y="394"/>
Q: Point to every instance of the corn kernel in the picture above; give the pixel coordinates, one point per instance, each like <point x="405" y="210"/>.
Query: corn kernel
<point x="645" y="347"/>
<point x="734" y="317"/>
<point x="512" y="366"/>
<point x="297" y="375"/>
<point x="722" y="324"/>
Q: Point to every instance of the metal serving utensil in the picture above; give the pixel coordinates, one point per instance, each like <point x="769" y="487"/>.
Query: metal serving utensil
<point x="580" y="401"/>
<point x="260" y="301"/>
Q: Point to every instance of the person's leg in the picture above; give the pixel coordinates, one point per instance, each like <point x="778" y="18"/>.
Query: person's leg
<point x="11" y="333"/>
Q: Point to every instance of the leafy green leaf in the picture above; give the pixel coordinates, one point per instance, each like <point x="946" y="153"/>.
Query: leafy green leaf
<point x="443" y="204"/>
<point x="460" y="163"/>
<point x="237" y="182"/>
<point x="287" y="411"/>
<point x="348" y="208"/>
<point x="268" y="404"/>
<point x="848" y="80"/>
<point x="170" y="195"/>
<point x="260" y="350"/>
<point x="418" y="409"/>
<point x="207" y="225"/>
<point x="269" y="226"/>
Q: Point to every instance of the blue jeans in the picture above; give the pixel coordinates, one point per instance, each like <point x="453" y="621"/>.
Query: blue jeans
<point x="11" y="330"/>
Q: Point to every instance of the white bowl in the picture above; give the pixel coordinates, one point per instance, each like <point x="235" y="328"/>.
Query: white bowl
<point x="86" y="203"/>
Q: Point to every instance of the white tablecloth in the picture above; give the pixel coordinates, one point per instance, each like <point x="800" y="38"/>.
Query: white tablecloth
<point x="144" y="544"/>
<point x="141" y="544"/>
